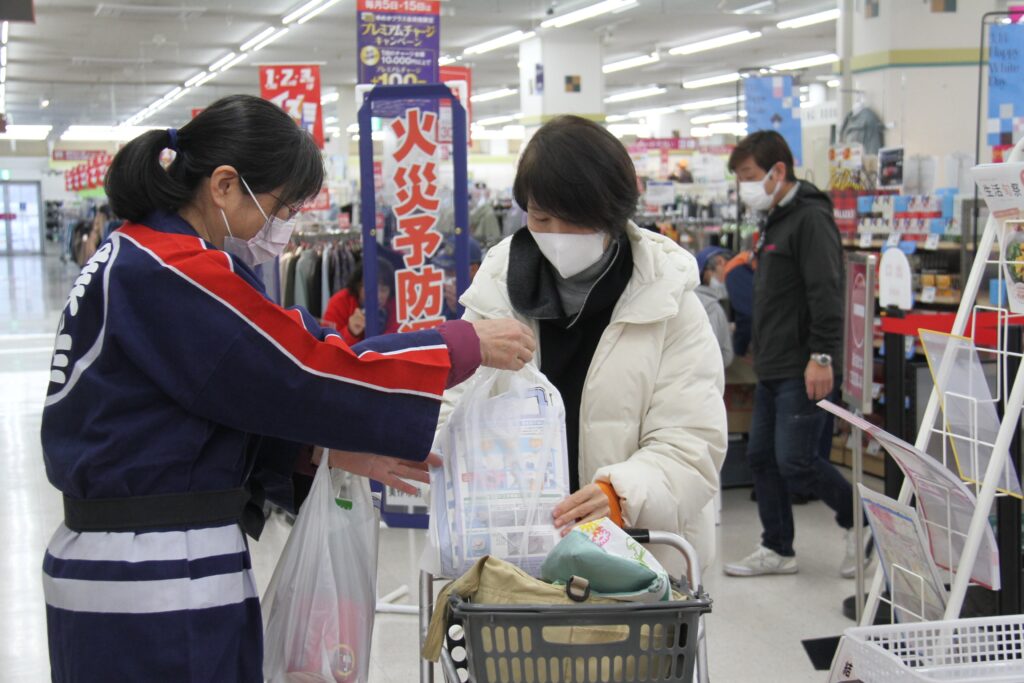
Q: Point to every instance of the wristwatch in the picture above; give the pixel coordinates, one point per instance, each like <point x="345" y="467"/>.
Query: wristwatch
<point x="822" y="359"/>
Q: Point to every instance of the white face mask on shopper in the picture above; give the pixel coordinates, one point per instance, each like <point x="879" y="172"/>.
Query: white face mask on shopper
<point x="265" y="245"/>
<point x="570" y="254"/>
<point x="754" y="194"/>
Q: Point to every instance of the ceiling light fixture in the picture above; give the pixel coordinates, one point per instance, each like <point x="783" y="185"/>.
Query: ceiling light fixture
<point x="44" y="103"/>
<point x="589" y="12"/>
<point x="494" y="95"/>
<point x="234" y="62"/>
<point x="635" y="94"/>
<point x="714" y="43"/>
<point x="257" y="38"/>
<point x="833" y="82"/>
<point x="333" y="130"/>
<point x="499" y="42"/>
<point x="711" y="80"/>
<point x="330" y="120"/>
<point x="292" y="16"/>
<point x="630" y="63"/>
<point x="446" y="60"/>
<point x="195" y="79"/>
<point x="4" y="32"/>
<point x="3" y="56"/>
<point x="206" y="79"/>
<point x="101" y="133"/>
<point x="708" y="104"/>
<point x="656" y="111"/>
<point x="181" y="94"/>
<point x="269" y="40"/>
<point x="806" y="63"/>
<point x="352" y="128"/>
<point x="222" y="61"/>
<point x="810" y="19"/>
<point x="496" y="120"/>
<point x="318" y="10"/>
<point x="26" y="132"/>
<point x="3" y="74"/>
<point x="172" y="93"/>
<point x="756" y="7"/>
<point x="712" y="118"/>
<point x="330" y="97"/>
<point x="616" y="118"/>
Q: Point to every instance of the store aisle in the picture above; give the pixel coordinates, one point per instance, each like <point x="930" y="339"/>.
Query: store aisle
<point x="755" y="621"/>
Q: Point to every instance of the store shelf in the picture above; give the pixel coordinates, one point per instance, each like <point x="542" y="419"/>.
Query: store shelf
<point x="878" y="244"/>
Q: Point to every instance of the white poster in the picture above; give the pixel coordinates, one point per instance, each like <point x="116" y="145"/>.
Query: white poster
<point x="895" y="280"/>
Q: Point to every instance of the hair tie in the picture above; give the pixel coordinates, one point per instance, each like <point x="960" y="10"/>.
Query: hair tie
<point x="172" y="133"/>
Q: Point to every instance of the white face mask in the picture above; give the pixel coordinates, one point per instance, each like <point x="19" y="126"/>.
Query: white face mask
<point x="265" y="245"/>
<point x="570" y="254"/>
<point x="754" y="194"/>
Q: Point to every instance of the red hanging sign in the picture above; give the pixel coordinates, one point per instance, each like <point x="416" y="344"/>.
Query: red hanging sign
<point x="296" y="89"/>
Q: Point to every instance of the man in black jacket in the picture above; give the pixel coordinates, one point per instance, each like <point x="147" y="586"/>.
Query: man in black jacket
<point x="797" y="332"/>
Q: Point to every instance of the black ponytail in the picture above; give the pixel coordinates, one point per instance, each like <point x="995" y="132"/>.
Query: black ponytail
<point x="255" y="136"/>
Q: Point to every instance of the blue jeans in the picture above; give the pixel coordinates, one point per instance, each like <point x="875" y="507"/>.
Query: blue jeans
<point x="787" y="439"/>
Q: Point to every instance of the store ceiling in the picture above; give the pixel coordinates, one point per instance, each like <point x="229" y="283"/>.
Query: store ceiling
<point x="100" y="63"/>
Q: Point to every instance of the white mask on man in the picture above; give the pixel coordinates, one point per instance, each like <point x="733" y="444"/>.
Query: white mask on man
<point x="754" y="194"/>
<point x="570" y="254"/>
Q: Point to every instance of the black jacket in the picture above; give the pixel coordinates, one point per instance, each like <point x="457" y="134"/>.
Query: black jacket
<point x="567" y="343"/>
<point x="798" y="287"/>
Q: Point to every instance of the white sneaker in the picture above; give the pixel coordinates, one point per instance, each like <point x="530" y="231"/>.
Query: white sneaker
<point x="848" y="569"/>
<point x="762" y="561"/>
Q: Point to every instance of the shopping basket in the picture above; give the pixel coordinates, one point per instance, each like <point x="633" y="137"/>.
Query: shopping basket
<point x="529" y="644"/>
<point x="984" y="650"/>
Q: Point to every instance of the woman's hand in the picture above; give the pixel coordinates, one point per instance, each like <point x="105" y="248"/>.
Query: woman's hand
<point x="505" y="344"/>
<point x="357" y="323"/>
<point x="586" y="505"/>
<point x="389" y="471"/>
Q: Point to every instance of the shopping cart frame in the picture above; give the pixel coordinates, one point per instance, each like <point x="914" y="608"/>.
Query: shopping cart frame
<point x="691" y="583"/>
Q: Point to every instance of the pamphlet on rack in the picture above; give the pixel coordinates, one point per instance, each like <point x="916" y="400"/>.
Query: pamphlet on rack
<point x="1002" y="188"/>
<point x="506" y="467"/>
<point x="915" y="590"/>
<point x="968" y="408"/>
<point x="944" y="503"/>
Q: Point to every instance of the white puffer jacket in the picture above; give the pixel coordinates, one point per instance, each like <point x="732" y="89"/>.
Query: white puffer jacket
<point x="652" y="418"/>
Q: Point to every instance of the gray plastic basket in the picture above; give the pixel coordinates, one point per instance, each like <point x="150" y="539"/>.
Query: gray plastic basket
<point x="534" y="643"/>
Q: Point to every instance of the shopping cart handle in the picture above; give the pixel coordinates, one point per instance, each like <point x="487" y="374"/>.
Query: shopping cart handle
<point x="639" y="535"/>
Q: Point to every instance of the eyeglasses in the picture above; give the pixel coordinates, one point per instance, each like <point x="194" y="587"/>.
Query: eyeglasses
<point x="293" y="209"/>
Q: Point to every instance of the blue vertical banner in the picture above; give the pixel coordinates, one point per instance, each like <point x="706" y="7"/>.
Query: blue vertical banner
<point x="1005" y="86"/>
<point x="772" y="105"/>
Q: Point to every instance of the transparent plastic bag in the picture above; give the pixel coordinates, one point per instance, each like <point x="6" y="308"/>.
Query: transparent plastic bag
<point x="320" y="604"/>
<point x="505" y="468"/>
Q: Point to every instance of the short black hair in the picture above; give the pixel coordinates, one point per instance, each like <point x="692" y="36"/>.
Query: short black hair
<point x="767" y="148"/>
<point x="257" y="137"/>
<point x="578" y="172"/>
<point x="385" y="276"/>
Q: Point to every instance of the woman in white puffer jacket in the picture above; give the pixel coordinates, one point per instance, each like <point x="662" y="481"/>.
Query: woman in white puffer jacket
<point x="622" y="335"/>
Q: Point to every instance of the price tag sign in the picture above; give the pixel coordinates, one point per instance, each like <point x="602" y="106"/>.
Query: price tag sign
<point x="928" y="295"/>
<point x="932" y="243"/>
<point x="865" y="240"/>
<point x="894" y="240"/>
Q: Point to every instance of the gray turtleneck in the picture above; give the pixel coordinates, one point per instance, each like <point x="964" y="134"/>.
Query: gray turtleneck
<point x="573" y="291"/>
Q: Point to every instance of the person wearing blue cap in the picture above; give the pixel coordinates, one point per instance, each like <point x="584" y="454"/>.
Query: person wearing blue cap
<point x="445" y="260"/>
<point x="711" y="292"/>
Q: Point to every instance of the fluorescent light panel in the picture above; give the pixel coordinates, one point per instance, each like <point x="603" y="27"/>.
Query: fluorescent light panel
<point x="445" y="60"/>
<point x="707" y="104"/>
<point x="809" y="20"/>
<point x="292" y="16"/>
<point x="172" y="93"/>
<point x="635" y="94"/>
<point x="714" y="43"/>
<point x="494" y="95"/>
<point x="711" y="80"/>
<point x="616" y="118"/>
<point x="496" y="120"/>
<point x="3" y="56"/>
<point x="206" y="79"/>
<point x="330" y="97"/>
<point x="833" y="83"/>
<point x="100" y="133"/>
<point x="715" y="118"/>
<point x="656" y="111"/>
<point x="806" y="63"/>
<point x="4" y="32"/>
<point x="318" y="10"/>
<point x="270" y="39"/>
<point x="255" y="40"/>
<point x="222" y="61"/>
<point x="630" y="63"/>
<point x="499" y="42"/>
<point x="589" y="12"/>
<point x="19" y="132"/>
<point x="756" y="7"/>
<point x="234" y="62"/>
<point x="195" y="79"/>
<point x="3" y="74"/>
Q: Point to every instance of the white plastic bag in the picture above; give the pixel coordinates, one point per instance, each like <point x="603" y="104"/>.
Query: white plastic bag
<point x="505" y="468"/>
<point x="319" y="607"/>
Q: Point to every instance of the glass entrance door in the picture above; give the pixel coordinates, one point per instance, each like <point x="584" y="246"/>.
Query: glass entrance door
<point x="21" y="218"/>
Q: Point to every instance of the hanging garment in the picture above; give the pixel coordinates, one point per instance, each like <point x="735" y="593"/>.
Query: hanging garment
<point x="305" y="270"/>
<point x="864" y="127"/>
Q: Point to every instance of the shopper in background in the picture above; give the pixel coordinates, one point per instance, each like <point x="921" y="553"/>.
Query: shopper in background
<point x="682" y="173"/>
<point x="346" y="310"/>
<point x="711" y="291"/>
<point x="483" y="221"/>
<point x="446" y="261"/>
<point x="797" y="331"/>
<point x="623" y="336"/>
<point x="179" y="389"/>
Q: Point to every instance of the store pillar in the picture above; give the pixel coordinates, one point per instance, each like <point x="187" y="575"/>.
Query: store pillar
<point x="560" y="73"/>
<point x="915" y="65"/>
